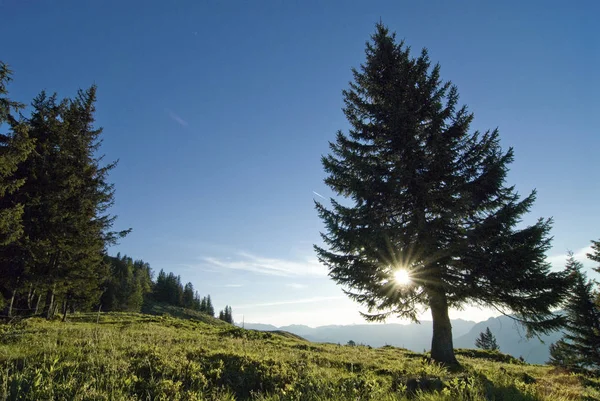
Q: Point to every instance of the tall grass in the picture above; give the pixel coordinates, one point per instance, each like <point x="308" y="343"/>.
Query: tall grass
<point x="142" y="357"/>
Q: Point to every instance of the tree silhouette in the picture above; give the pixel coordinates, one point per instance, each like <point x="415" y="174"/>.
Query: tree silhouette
<point x="226" y="315"/>
<point x="15" y="147"/>
<point x="423" y="194"/>
<point x="580" y="346"/>
<point x="487" y="341"/>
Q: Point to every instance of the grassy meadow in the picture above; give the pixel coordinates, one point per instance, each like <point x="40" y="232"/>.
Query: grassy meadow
<point x="124" y="356"/>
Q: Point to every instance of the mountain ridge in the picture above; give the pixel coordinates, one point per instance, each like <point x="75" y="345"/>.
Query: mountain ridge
<point x="510" y="335"/>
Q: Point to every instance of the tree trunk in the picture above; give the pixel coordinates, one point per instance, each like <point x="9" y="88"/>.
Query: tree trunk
<point x="64" y="318"/>
<point x="49" y="303"/>
<point x="12" y="301"/>
<point x="30" y="296"/>
<point x="442" y="349"/>
<point x="37" y="304"/>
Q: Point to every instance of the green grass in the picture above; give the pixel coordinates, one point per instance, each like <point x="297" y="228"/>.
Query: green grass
<point x="152" y="308"/>
<point x="149" y="357"/>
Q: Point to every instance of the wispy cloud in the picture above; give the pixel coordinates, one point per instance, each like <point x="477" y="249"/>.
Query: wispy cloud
<point x="234" y="285"/>
<point x="559" y="261"/>
<point x="290" y="302"/>
<point x="177" y="119"/>
<point x="296" y="286"/>
<point x="318" y="194"/>
<point x="269" y="266"/>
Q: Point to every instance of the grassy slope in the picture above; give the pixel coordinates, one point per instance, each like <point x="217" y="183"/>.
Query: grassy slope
<point x="152" y="308"/>
<point x="144" y="357"/>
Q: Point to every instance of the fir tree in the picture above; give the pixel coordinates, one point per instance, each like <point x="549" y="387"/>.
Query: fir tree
<point x="188" y="296"/>
<point x="226" y="315"/>
<point x="159" y="290"/>
<point x="487" y="341"/>
<point x="562" y="355"/>
<point x="168" y="289"/>
<point x="210" y="310"/>
<point x="580" y="346"/>
<point x="144" y="272"/>
<point x="595" y="254"/>
<point x="423" y="194"/>
<point x="65" y="198"/>
<point x="197" y="302"/>
<point x="15" y="147"/>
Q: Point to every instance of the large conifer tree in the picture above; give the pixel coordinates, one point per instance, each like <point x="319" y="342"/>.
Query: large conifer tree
<point x="66" y="197"/>
<point x="423" y="193"/>
<point x="15" y="147"/>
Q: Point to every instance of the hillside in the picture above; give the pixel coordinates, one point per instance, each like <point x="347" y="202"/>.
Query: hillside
<point x="160" y="309"/>
<point x="145" y="357"/>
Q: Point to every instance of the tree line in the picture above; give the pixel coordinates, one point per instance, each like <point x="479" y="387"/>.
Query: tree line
<point x="130" y="285"/>
<point x="55" y="224"/>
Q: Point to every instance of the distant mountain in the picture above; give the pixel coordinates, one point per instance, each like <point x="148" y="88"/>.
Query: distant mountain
<point x="511" y="338"/>
<point x="299" y="329"/>
<point x="417" y="337"/>
<point x="261" y="327"/>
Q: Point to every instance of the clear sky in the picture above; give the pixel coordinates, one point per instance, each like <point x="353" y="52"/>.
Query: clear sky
<point x="219" y="112"/>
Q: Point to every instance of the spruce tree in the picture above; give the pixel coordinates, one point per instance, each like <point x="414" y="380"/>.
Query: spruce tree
<point x="160" y="287"/>
<point x="66" y="197"/>
<point x="41" y="195"/>
<point x="188" y="296"/>
<point x="422" y="193"/>
<point x="168" y="289"/>
<point x="226" y="314"/>
<point x="197" y="303"/>
<point x="562" y="355"/>
<point x="143" y="273"/>
<point x="209" y="306"/>
<point x="15" y="147"/>
<point x="595" y="254"/>
<point x="487" y="341"/>
<point x="580" y="346"/>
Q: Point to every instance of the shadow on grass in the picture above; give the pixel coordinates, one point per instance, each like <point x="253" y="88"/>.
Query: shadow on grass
<point x="494" y="356"/>
<point x="506" y="392"/>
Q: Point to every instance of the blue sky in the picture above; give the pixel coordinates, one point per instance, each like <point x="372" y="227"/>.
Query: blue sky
<point x="219" y="112"/>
